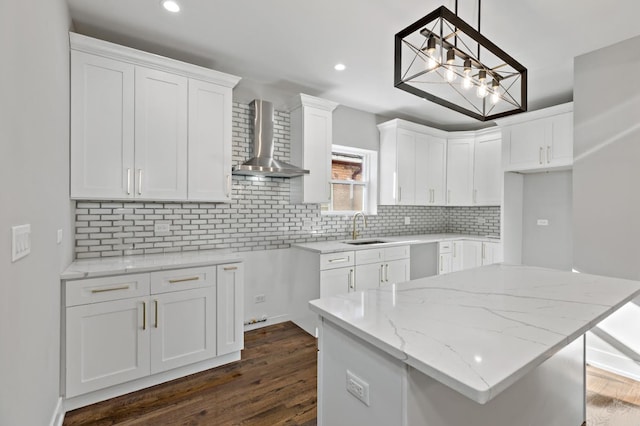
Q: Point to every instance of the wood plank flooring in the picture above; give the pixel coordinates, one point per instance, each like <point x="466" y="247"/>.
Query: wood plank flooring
<point x="275" y="384"/>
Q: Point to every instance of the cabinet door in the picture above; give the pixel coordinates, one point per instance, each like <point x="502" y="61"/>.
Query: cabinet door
<point x="460" y="172"/>
<point x="106" y="343"/>
<point x="337" y="281"/>
<point x="436" y="170"/>
<point x="368" y="276"/>
<point x="102" y="135"/>
<point x="183" y="328"/>
<point x="421" y="163"/>
<point x="457" y="254"/>
<point x="317" y="155"/>
<point x="487" y="173"/>
<point x="471" y="254"/>
<point x="161" y="135"/>
<point x="560" y="151"/>
<point x="526" y="143"/>
<point x="396" y="271"/>
<point x="406" y="168"/>
<point x="491" y="253"/>
<point x="209" y="167"/>
<point x="230" y="312"/>
<point x="444" y="263"/>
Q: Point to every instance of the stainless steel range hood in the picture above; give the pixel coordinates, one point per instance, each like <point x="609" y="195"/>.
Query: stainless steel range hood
<point x="262" y="163"/>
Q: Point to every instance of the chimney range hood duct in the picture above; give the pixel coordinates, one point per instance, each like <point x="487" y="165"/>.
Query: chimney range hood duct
<point x="262" y="163"/>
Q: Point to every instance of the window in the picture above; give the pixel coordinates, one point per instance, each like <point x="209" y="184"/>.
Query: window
<point x="353" y="181"/>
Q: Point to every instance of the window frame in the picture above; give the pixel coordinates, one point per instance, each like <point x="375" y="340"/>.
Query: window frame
<point x="369" y="181"/>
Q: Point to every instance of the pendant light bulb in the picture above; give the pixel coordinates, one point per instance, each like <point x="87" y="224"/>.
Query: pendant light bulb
<point x="467" y="83"/>
<point x="483" y="90"/>
<point x="495" y="88"/>
<point x="450" y="74"/>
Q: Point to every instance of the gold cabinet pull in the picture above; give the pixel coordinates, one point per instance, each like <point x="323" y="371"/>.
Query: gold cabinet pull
<point x="144" y="315"/>
<point x="341" y="259"/>
<point x="128" y="181"/>
<point x="156" y="319"/>
<point x="182" y="280"/>
<point x="230" y="268"/>
<point x="139" y="181"/>
<point x="104" y="290"/>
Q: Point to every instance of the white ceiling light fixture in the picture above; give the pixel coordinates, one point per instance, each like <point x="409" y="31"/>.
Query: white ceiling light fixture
<point x="171" y="5"/>
<point x="432" y="52"/>
<point x="340" y="67"/>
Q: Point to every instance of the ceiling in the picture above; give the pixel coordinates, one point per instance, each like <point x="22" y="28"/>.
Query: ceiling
<point x="284" y="47"/>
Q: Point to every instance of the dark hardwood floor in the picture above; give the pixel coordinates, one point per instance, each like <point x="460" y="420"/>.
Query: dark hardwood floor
<point x="275" y="384"/>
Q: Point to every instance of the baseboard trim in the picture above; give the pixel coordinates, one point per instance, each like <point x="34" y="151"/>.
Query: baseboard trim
<point x="270" y="321"/>
<point x="613" y="363"/>
<point x="58" y="414"/>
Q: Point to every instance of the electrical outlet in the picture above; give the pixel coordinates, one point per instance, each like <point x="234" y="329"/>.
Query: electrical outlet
<point x="543" y="222"/>
<point x="20" y="241"/>
<point x="407" y="220"/>
<point x="59" y="236"/>
<point x="260" y="298"/>
<point x="161" y="228"/>
<point x="358" y="387"/>
<point x="480" y="220"/>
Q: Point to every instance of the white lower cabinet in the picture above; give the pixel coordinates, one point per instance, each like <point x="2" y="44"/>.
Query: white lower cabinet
<point x="466" y="254"/>
<point x="128" y="327"/>
<point x="336" y="281"/>
<point x="183" y="329"/>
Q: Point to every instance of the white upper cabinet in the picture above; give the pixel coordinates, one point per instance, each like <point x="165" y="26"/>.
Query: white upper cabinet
<point x="412" y="164"/>
<point x="487" y="171"/>
<point x="460" y="157"/>
<point x="311" y="139"/>
<point x="102" y="127"/>
<point x="161" y="135"/>
<point x="209" y="142"/>
<point x="147" y="127"/>
<point x="544" y="141"/>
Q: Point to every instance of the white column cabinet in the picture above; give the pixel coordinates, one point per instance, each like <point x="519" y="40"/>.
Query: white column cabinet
<point x="147" y="127"/>
<point x="161" y="135"/>
<point x="487" y="171"/>
<point x="311" y="140"/>
<point x="460" y="156"/>
<point x="102" y="127"/>
<point x="209" y="164"/>
<point x="230" y="300"/>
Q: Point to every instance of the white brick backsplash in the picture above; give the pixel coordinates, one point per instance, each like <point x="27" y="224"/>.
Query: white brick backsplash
<point x="259" y="216"/>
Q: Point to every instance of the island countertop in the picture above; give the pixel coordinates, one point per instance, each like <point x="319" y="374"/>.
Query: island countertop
<point x="479" y="331"/>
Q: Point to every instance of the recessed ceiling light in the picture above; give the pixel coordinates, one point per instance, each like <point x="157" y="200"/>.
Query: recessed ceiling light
<point x="171" y="5"/>
<point x="340" y="67"/>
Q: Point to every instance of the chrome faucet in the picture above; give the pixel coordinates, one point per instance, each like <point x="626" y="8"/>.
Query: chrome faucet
<point x="354" y="233"/>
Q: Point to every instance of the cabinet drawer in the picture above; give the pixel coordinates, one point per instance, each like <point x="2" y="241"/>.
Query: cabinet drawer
<point x="182" y="279"/>
<point x="93" y="290"/>
<point x="395" y="253"/>
<point x="369" y="256"/>
<point x="445" y="247"/>
<point x="336" y="260"/>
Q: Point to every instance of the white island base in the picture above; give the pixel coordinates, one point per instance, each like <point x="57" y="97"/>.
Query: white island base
<point x="552" y="394"/>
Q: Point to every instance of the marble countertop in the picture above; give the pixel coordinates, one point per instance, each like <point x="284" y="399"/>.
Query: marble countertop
<point x="90" y="268"/>
<point x="341" y="245"/>
<point x="478" y="331"/>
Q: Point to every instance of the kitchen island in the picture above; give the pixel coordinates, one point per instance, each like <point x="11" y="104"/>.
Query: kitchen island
<point x="492" y="346"/>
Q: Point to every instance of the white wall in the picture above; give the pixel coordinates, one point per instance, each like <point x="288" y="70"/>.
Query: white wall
<point x="606" y="200"/>
<point x="547" y="196"/>
<point x="34" y="165"/>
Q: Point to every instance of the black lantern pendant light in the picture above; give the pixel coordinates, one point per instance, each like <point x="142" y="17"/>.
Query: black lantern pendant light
<point x="433" y="52"/>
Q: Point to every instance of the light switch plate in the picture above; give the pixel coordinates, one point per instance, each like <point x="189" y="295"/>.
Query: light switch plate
<point x="543" y="222"/>
<point x="20" y="241"/>
<point x="162" y="228"/>
<point x="59" y="236"/>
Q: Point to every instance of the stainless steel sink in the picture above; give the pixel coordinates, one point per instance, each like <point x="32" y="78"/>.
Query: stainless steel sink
<point x="364" y="242"/>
